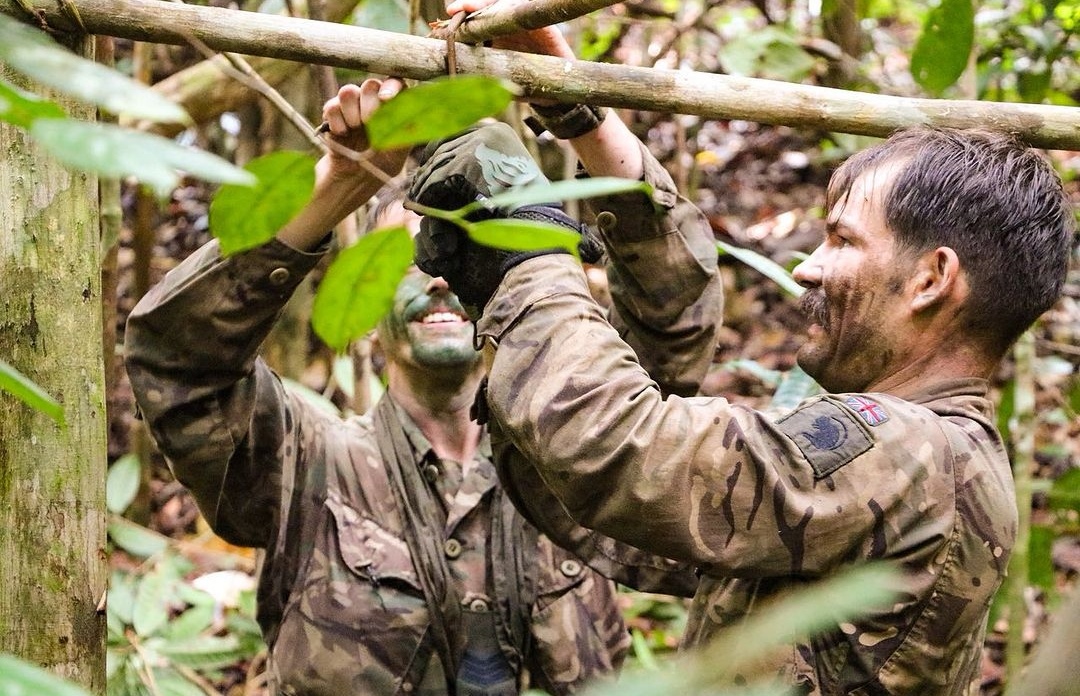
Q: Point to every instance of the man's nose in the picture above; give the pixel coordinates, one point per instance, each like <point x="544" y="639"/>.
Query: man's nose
<point x="437" y="286"/>
<point x="808" y="273"/>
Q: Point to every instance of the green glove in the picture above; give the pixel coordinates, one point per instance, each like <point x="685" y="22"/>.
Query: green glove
<point x="469" y="167"/>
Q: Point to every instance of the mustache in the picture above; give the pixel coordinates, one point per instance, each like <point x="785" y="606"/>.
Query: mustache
<point x="813" y="305"/>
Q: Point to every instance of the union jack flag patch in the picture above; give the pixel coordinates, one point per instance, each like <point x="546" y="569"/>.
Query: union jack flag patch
<point x="870" y="411"/>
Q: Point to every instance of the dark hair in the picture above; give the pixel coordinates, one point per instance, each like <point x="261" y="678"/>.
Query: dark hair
<point x="391" y="192"/>
<point x="998" y="204"/>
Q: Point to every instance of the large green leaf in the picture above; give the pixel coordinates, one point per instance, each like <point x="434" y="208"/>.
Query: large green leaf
<point x="122" y="483"/>
<point x="34" y="54"/>
<point x="766" y="266"/>
<point x="16" y="384"/>
<point x="561" y="191"/>
<point x="116" y="152"/>
<point x="944" y="46"/>
<point x="436" y="109"/>
<point x="20" y="108"/>
<point x="24" y="679"/>
<point x="243" y="217"/>
<point x="358" y="288"/>
<point x="522" y="235"/>
<point x="136" y="540"/>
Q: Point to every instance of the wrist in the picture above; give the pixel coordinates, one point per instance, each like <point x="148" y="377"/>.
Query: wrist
<point x="567" y="121"/>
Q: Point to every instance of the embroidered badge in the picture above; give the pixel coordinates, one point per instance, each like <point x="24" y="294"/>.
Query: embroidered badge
<point x="870" y="411"/>
<point x="828" y="435"/>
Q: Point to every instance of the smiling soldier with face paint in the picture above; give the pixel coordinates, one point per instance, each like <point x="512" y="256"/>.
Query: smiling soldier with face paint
<point x="942" y="246"/>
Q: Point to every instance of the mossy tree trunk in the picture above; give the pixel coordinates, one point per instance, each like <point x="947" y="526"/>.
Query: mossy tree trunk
<point x="52" y="478"/>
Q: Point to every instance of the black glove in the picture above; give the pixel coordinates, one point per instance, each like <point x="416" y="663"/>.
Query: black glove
<point x="469" y="167"/>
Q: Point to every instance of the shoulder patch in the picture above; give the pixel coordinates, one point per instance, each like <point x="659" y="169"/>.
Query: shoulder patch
<point x="828" y="435"/>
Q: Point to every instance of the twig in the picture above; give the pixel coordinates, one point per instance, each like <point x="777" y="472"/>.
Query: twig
<point x="497" y="21"/>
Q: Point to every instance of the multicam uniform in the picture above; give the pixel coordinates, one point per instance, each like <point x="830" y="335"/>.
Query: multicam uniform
<point x="760" y="505"/>
<point x="342" y="508"/>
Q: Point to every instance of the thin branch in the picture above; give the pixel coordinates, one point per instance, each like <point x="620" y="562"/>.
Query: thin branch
<point x="496" y="20"/>
<point x="555" y="79"/>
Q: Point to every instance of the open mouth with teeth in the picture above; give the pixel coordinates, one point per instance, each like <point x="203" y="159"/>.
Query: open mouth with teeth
<point x="440" y="315"/>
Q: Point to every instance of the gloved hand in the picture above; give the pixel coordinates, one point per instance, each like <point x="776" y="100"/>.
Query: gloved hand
<point x="469" y="167"/>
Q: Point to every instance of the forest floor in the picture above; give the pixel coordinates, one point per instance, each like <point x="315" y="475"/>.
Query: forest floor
<point x="761" y="188"/>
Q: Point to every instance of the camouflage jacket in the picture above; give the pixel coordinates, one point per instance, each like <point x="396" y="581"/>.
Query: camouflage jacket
<point x="339" y="600"/>
<point x="759" y="505"/>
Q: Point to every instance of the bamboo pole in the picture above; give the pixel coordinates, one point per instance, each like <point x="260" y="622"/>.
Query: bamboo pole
<point x="497" y="20"/>
<point x="556" y="79"/>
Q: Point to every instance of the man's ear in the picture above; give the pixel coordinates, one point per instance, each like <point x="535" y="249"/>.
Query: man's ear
<point x="937" y="278"/>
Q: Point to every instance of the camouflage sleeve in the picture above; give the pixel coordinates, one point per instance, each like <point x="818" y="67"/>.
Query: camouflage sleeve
<point x="611" y="558"/>
<point x="698" y="480"/>
<point x="218" y="414"/>
<point x="662" y="269"/>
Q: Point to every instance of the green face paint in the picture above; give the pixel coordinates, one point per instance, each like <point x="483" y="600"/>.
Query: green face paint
<point x="427" y="325"/>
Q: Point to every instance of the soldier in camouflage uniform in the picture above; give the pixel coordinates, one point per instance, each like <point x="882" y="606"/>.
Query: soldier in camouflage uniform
<point x="393" y="561"/>
<point x="941" y="248"/>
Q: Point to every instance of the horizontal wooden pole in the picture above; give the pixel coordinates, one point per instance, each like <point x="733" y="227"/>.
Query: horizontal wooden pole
<point x="650" y="89"/>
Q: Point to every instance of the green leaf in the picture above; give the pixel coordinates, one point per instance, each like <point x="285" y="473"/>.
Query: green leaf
<point x="642" y="651"/>
<point x="944" y="46"/>
<point x="795" y="386"/>
<point x="169" y="682"/>
<point x="20" y="108"/>
<point x="121" y="597"/>
<point x="1064" y="494"/>
<point x="205" y="652"/>
<point x="190" y="623"/>
<point x="243" y="217"/>
<point x="136" y="540"/>
<point x="151" y="610"/>
<point x="35" y="55"/>
<point x="772" y="53"/>
<point x="436" y="109"/>
<point x="522" y="235"/>
<point x="24" y="679"/>
<point x="117" y="152"/>
<point x="122" y="483"/>
<point x="1040" y="560"/>
<point x="358" y="288"/>
<point x="560" y="191"/>
<point x="16" y="384"/>
<point x="766" y="266"/>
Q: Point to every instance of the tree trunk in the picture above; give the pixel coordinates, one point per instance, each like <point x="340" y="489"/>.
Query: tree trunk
<point x="52" y="478"/>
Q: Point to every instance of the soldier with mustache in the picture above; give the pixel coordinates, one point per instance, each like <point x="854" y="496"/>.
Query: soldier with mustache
<point x="941" y="248"/>
<point x="394" y="562"/>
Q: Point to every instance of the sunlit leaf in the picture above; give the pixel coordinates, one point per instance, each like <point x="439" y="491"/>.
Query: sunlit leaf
<point x="941" y="54"/>
<point x="766" y="266"/>
<point x="35" y="55"/>
<point x="243" y="217"/>
<point x="522" y="235"/>
<point x="122" y="483"/>
<point x="136" y="540"/>
<point x="436" y="109"/>
<point x="570" y="189"/>
<point x="795" y="386"/>
<point x="20" y="108"/>
<point x="358" y="288"/>
<point x="24" y="679"/>
<point x="15" y="383"/>
<point x="117" y="152"/>
<point x="151" y="610"/>
<point x="642" y="651"/>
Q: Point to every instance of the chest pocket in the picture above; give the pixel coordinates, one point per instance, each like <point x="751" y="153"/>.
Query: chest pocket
<point x="357" y="620"/>
<point x="578" y="632"/>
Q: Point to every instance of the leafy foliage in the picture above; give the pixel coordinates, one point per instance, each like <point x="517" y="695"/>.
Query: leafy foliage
<point x="243" y="217"/>
<point x="436" y="109"/>
<point x="944" y="47"/>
